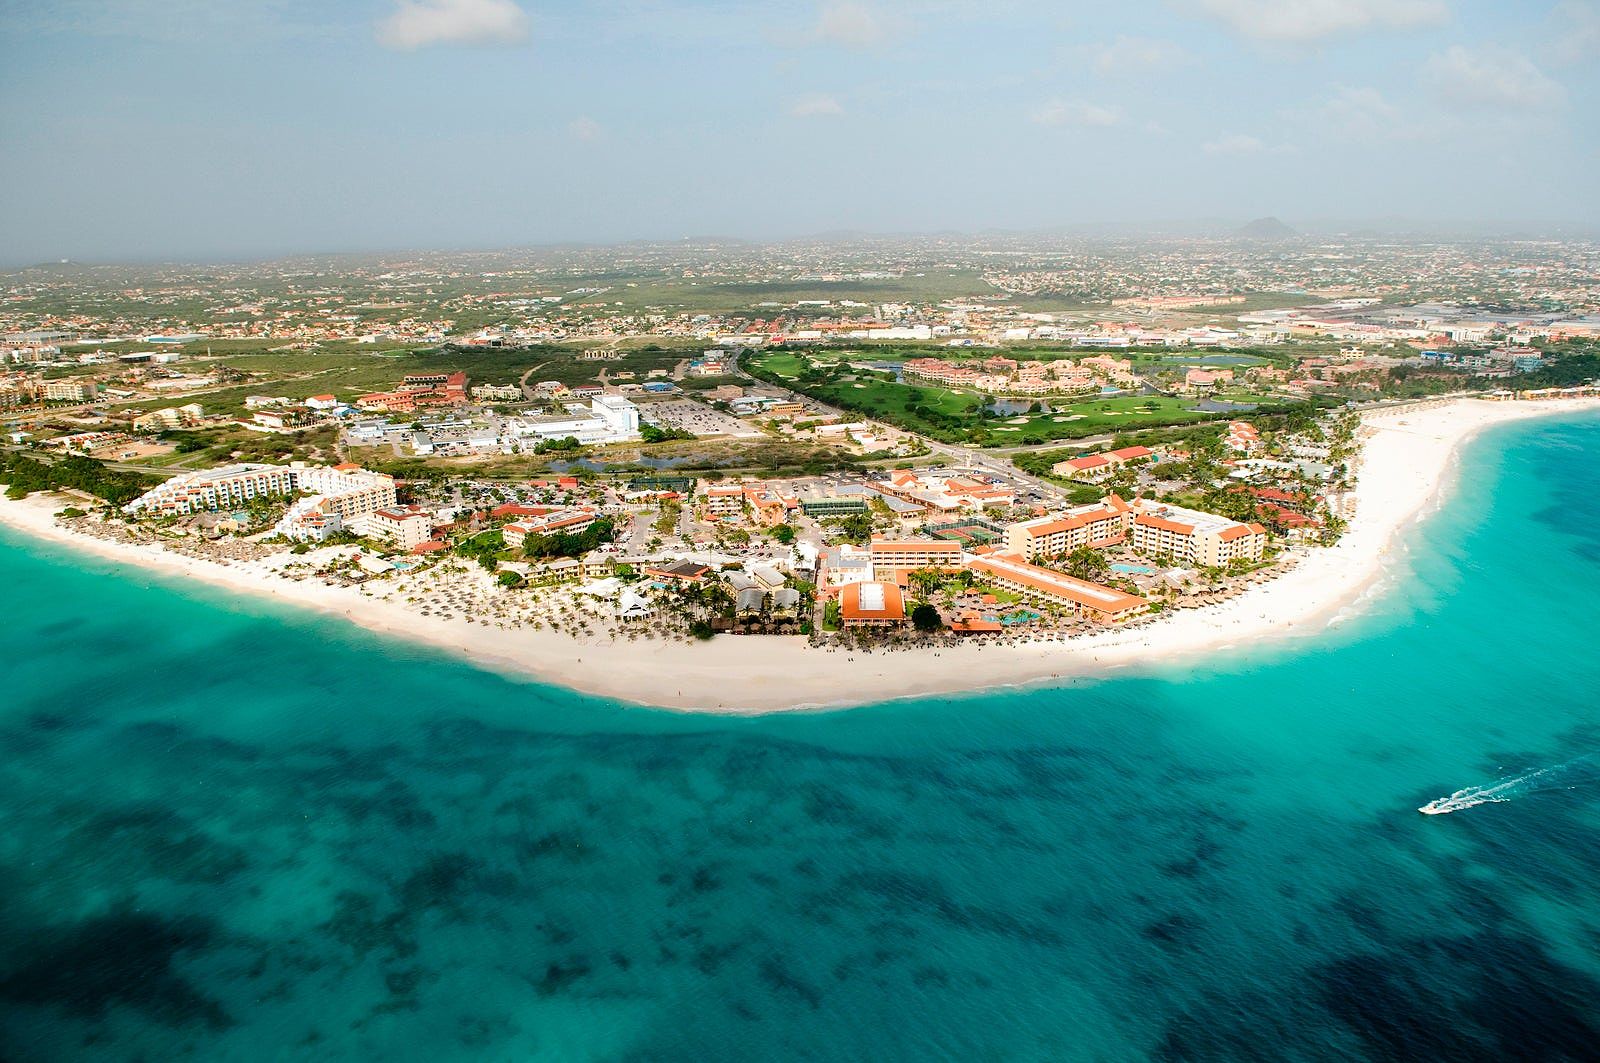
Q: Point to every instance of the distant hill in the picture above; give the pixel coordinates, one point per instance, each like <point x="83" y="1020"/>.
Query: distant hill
<point x="1265" y="229"/>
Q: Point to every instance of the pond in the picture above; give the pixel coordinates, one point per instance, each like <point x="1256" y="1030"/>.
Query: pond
<point x="1013" y="407"/>
<point x="1216" y="406"/>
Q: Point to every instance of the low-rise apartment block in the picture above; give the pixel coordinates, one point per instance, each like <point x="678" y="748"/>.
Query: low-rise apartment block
<point x="1105" y="605"/>
<point x="1099" y="466"/>
<point x="567" y="520"/>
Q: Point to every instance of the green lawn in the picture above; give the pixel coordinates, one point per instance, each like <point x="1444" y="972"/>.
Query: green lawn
<point x="1094" y="417"/>
<point x="954" y="416"/>
<point x="923" y="408"/>
<point x="783" y="363"/>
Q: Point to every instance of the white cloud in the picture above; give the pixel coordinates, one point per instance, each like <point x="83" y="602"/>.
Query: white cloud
<point x="585" y="128"/>
<point x="1577" y="31"/>
<point x="815" y="106"/>
<point x="1077" y="113"/>
<point x="419" y="23"/>
<point x="850" y="25"/>
<point x="1305" y="21"/>
<point x="1490" y="79"/>
<point x="1242" y="144"/>
<point x="1360" y="112"/>
<point x="1127" y="55"/>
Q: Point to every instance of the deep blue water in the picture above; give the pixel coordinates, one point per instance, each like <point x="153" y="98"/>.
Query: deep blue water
<point x="237" y="832"/>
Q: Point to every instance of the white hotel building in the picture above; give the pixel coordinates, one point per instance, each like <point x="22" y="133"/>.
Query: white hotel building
<point x="346" y="492"/>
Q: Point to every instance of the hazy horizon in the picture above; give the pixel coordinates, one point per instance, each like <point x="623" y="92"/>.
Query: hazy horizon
<point x="143" y="131"/>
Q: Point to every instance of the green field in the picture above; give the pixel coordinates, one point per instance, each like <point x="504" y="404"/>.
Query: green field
<point x="351" y="370"/>
<point x="1089" y="418"/>
<point x="712" y="294"/>
<point x="959" y="417"/>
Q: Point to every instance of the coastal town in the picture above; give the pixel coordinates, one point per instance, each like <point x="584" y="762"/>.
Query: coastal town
<point x="929" y="478"/>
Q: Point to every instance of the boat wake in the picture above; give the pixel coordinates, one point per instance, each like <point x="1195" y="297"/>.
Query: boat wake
<point x="1555" y="777"/>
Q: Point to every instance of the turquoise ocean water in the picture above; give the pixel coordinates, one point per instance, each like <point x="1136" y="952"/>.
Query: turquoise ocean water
<point x="236" y="832"/>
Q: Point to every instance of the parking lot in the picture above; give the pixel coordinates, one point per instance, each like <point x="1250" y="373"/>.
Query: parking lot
<point x="686" y="415"/>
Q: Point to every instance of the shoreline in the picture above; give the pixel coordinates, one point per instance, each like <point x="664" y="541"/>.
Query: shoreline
<point x="1410" y="460"/>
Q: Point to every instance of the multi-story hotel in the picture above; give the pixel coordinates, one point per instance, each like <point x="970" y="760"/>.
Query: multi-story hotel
<point x="171" y="417"/>
<point x="351" y="490"/>
<point x="894" y="559"/>
<point x="1104" y="523"/>
<point x="213" y="489"/>
<point x="1153" y="528"/>
<point x="1105" y="605"/>
<point x="1163" y="530"/>
<point x="68" y="391"/>
<point x="724" y="503"/>
<point x="407" y="527"/>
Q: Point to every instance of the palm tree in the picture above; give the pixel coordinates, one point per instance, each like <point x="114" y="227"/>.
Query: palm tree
<point x="926" y="581"/>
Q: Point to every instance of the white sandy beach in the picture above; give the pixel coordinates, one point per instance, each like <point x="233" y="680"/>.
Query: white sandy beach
<point x="1409" y="460"/>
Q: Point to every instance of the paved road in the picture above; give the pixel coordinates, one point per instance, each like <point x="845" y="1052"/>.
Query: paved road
<point x="50" y="458"/>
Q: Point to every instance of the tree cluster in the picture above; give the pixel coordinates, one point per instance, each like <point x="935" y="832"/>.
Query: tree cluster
<point x="27" y="475"/>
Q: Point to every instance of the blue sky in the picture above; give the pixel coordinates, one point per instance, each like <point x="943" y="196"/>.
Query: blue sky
<point x="234" y="128"/>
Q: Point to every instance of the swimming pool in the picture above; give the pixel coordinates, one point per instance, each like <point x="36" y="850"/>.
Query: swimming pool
<point x="1130" y="570"/>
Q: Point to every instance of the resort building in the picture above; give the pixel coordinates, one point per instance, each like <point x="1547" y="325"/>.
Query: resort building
<point x="284" y="420"/>
<point x="840" y="565"/>
<point x="418" y="390"/>
<point x="1242" y="437"/>
<point x="895" y="559"/>
<point x="939" y="493"/>
<point x="68" y="391"/>
<point x="353" y="490"/>
<point x="755" y="501"/>
<point x="406" y="527"/>
<point x="678" y="572"/>
<point x="1154" y="528"/>
<point x="350" y="491"/>
<point x="872" y="604"/>
<point x="311" y="520"/>
<point x="213" y="489"/>
<point x="1162" y="530"/>
<point x="568" y="520"/>
<point x="1105" y="605"/>
<point x="724" y="503"/>
<point x="1102" y="524"/>
<point x="1099" y="466"/>
<point x="171" y="417"/>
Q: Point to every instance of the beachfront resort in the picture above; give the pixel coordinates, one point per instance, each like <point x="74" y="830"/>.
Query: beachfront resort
<point x="473" y="515"/>
<point x="900" y="556"/>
